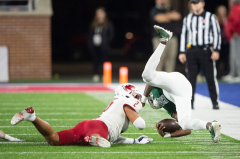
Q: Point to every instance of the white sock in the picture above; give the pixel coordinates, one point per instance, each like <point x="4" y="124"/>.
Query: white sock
<point x="28" y="116"/>
<point x="7" y="137"/>
<point x="10" y="138"/>
<point x="150" y="68"/>
<point x="124" y="140"/>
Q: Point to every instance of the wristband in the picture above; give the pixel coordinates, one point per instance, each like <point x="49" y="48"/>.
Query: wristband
<point x="167" y="135"/>
<point x="144" y="99"/>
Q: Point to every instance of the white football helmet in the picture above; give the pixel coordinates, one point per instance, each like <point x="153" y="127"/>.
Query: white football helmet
<point x="127" y="90"/>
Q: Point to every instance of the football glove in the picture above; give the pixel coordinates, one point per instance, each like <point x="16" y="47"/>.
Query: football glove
<point x="143" y="140"/>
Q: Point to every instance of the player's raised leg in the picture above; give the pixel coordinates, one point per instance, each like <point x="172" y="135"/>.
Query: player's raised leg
<point x="150" y="69"/>
<point x="42" y="126"/>
<point x="149" y="74"/>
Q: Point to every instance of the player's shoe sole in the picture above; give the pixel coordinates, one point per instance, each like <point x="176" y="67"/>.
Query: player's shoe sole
<point x="27" y="114"/>
<point x="163" y="34"/>
<point x="214" y="130"/>
<point x="17" y="118"/>
<point x="97" y="141"/>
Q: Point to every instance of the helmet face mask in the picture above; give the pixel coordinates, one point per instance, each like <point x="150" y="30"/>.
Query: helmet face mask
<point x="127" y="90"/>
<point x="137" y="96"/>
<point x="153" y="102"/>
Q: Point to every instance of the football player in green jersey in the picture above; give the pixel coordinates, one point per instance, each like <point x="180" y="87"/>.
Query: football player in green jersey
<point x="173" y="92"/>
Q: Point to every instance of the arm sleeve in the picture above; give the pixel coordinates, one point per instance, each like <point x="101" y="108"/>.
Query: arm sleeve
<point x="124" y="140"/>
<point x="216" y="34"/>
<point x="139" y="123"/>
<point x="183" y="42"/>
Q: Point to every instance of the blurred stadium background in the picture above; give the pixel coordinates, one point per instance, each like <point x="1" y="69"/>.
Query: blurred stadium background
<point x="48" y="39"/>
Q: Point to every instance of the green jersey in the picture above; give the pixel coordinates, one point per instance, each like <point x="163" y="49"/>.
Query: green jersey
<point x="162" y="100"/>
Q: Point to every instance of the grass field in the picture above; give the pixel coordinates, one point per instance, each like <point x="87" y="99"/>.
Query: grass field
<point x="65" y="110"/>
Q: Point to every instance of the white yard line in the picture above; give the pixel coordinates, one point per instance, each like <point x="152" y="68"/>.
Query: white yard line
<point x="45" y="105"/>
<point x="162" y="152"/>
<point x="30" y="126"/>
<point x="47" y="108"/>
<point x="23" y="142"/>
<point x="67" y="113"/>
<point x="53" y="119"/>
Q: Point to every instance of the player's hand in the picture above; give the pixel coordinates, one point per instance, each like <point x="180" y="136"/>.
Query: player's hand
<point x="143" y="140"/>
<point x="160" y="128"/>
<point x="215" y="56"/>
<point x="182" y="58"/>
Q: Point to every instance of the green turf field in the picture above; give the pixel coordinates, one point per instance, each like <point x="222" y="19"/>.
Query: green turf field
<point x="65" y="110"/>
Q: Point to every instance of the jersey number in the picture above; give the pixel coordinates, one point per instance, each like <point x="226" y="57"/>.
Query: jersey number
<point x="135" y="104"/>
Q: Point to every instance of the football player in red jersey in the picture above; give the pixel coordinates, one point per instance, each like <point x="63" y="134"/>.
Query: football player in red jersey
<point x="101" y="131"/>
<point x="7" y="137"/>
<point x="173" y="92"/>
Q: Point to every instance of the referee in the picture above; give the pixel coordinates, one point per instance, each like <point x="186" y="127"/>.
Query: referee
<point x="200" y="46"/>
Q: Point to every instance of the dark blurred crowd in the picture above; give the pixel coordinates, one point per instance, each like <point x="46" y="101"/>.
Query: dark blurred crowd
<point x="164" y="15"/>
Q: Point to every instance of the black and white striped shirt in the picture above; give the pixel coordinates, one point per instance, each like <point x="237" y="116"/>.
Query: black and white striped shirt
<point x="200" y="30"/>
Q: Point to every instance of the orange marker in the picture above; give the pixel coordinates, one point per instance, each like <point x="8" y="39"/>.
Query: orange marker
<point x="107" y="73"/>
<point x="123" y="75"/>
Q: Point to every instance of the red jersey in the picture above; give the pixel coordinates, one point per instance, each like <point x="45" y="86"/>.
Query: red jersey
<point x="233" y="22"/>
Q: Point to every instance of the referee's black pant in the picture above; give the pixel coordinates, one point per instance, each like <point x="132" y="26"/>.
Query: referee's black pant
<point x="200" y="58"/>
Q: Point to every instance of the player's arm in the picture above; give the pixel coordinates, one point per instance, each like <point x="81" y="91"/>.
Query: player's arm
<point x="162" y="18"/>
<point x="175" y="16"/>
<point x="139" y="123"/>
<point x="146" y="92"/>
<point x="133" y="116"/>
<point x="177" y="133"/>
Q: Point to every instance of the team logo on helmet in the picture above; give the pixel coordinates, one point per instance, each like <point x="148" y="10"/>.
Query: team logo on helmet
<point x="128" y="91"/>
<point x="129" y="87"/>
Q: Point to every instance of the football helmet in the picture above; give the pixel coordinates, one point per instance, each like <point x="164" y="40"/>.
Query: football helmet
<point x="127" y="90"/>
<point x="153" y="102"/>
